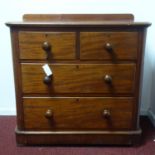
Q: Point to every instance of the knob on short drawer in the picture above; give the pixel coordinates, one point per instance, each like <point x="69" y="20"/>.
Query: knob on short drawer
<point x="46" y="46"/>
<point x="49" y="114"/>
<point x="106" y="113"/>
<point x="108" y="47"/>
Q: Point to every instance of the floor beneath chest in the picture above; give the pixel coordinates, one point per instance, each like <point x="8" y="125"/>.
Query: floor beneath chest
<point x="8" y="144"/>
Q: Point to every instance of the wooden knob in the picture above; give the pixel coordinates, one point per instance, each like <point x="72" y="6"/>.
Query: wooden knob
<point x="46" y="46"/>
<point x="108" y="79"/>
<point x="49" y="114"/>
<point x="47" y="80"/>
<point x="108" y="47"/>
<point x="106" y="113"/>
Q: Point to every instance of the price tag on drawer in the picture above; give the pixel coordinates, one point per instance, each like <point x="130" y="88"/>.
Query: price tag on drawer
<point x="47" y="70"/>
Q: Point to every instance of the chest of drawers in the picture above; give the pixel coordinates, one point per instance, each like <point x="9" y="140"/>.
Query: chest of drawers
<point x="92" y="95"/>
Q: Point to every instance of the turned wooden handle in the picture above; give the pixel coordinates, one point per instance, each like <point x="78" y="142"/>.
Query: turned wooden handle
<point x="49" y="114"/>
<point x="47" y="80"/>
<point x="108" y="47"/>
<point x="106" y="113"/>
<point x="46" y="46"/>
<point x="108" y="79"/>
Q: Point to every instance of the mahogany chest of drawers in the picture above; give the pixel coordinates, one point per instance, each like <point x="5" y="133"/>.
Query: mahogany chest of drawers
<point x="91" y="95"/>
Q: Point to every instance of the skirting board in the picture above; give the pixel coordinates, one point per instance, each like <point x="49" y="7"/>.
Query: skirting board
<point x="143" y="112"/>
<point x="6" y="112"/>
<point x="151" y="116"/>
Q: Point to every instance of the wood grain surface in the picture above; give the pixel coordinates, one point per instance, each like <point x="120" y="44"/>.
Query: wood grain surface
<point x="63" y="45"/>
<point x="78" y="113"/>
<point x="93" y="94"/>
<point x="124" y="45"/>
<point x="78" y="17"/>
<point x="80" y="78"/>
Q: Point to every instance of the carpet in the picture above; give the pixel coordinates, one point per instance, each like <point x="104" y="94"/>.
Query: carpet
<point x="8" y="143"/>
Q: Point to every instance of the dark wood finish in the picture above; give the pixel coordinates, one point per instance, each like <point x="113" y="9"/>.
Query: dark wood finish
<point x="78" y="138"/>
<point x="78" y="113"/>
<point x="108" y="45"/>
<point x="140" y="62"/>
<point x="17" y="78"/>
<point x="81" y="24"/>
<point x="92" y="97"/>
<point x="62" y="45"/>
<point x="81" y="78"/>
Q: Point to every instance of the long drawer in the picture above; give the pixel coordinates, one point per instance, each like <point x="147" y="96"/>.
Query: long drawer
<point x="47" y="45"/>
<point x="79" y="78"/>
<point x="78" y="113"/>
<point x="108" y="45"/>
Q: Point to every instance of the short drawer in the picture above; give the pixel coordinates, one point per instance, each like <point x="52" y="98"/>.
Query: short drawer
<point x="112" y="46"/>
<point x="47" y="45"/>
<point x="79" y="78"/>
<point x="78" y="113"/>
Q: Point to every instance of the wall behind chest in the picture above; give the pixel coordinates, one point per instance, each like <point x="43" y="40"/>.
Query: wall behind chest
<point x="13" y="11"/>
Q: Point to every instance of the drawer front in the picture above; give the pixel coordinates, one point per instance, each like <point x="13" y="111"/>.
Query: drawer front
<point x="47" y="45"/>
<point x="78" y="113"/>
<point x="108" y="45"/>
<point x="80" y="78"/>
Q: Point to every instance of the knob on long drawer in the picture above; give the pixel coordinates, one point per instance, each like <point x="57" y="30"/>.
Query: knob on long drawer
<point x="107" y="78"/>
<point x="106" y="113"/>
<point x="47" y="80"/>
<point x="49" y="114"/>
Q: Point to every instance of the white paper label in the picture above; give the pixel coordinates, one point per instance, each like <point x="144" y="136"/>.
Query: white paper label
<point x="47" y="70"/>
